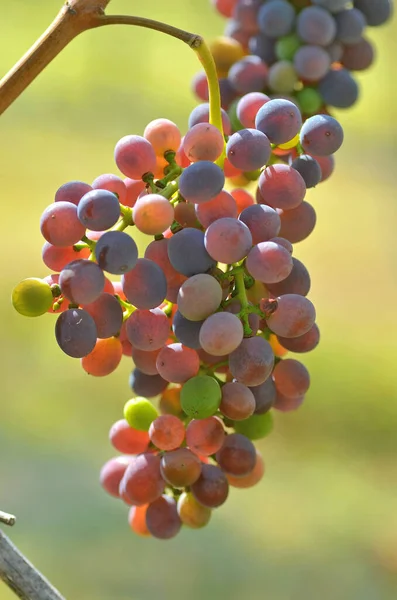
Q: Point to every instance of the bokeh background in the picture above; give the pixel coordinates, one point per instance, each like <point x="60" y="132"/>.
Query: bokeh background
<point x="323" y="523"/>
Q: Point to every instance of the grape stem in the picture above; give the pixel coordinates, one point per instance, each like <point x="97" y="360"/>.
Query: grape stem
<point x="77" y="16"/>
<point x="19" y="574"/>
<point x="242" y="297"/>
<point x="7" y="519"/>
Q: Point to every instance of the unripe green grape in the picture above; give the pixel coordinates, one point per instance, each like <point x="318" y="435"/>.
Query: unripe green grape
<point x="192" y="513"/>
<point x="201" y="397"/>
<point x="140" y="413"/>
<point x="234" y="120"/>
<point x="255" y="427"/>
<point x="287" y="46"/>
<point x="32" y="297"/>
<point x="309" y="100"/>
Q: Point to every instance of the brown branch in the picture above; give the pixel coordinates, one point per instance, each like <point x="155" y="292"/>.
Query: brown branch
<point x="75" y="17"/>
<point x="7" y="519"/>
<point x="21" y="576"/>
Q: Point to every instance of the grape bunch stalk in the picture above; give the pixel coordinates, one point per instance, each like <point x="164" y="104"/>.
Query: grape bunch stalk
<point x="210" y="311"/>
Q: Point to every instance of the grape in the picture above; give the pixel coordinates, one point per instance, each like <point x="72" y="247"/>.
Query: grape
<point x="303" y="343"/>
<point x="203" y="142"/>
<point x="142" y="482"/>
<point x="309" y="100"/>
<point x="228" y="95"/>
<point x="163" y="135"/>
<point x="294" y="316"/>
<point x="147" y="385"/>
<point x="205" y="436"/>
<point x="170" y="401"/>
<point x="255" y="427"/>
<point x="211" y="489"/>
<point x="112" y="473"/>
<point x="246" y="12"/>
<point x="238" y="402"/>
<point x="308" y="168"/>
<point x="282" y="186"/>
<point x="282" y="77"/>
<point x="234" y="30"/>
<point x="75" y="332"/>
<point x="187" y="252"/>
<point x="60" y="225"/>
<point x="223" y="205"/>
<point x="268" y="262"/>
<point x="104" y="358"/>
<point x="134" y="188"/>
<point x="237" y="456"/>
<point x="264" y="395"/>
<point x="201" y="181"/>
<point x="252" y="478"/>
<point x="225" y="52"/>
<point x="331" y="5"/>
<point x="56" y="257"/>
<point x="173" y="286"/>
<point x="82" y="281"/>
<point x="286" y="404"/>
<point x="200" y="397"/>
<point x="298" y="223"/>
<point x="297" y="282"/>
<point x="139" y="413"/>
<point x="327" y="165"/>
<point x="116" y="252"/>
<point x="167" y="432"/>
<point x="99" y="210"/>
<point x="321" y="135"/>
<point x="375" y="13"/>
<point x="137" y="520"/>
<point x="187" y="332"/>
<point x="243" y="199"/>
<point x="177" y="363"/>
<point x="350" y="25"/>
<point x="152" y="214"/>
<point x="148" y="329"/>
<point x="248" y="106"/>
<point x="248" y="75"/>
<point x="287" y="46"/>
<point x="201" y="114"/>
<point x="162" y="519"/>
<point x="359" y="56"/>
<point x="113" y="184"/>
<point x="32" y="297"/>
<point x="145" y="361"/>
<point x="284" y="243"/>
<point x="134" y="156"/>
<point x="252" y="362"/>
<point x="158" y="252"/>
<point x="338" y="88"/>
<point x="312" y="62"/>
<point x="248" y="149"/>
<point x="316" y="26"/>
<point x="276" y="18"/>
<point x="224" y="7"/>
<point x="264" y="47"/>
<point x="127" y="348"/>
<point x="180" y="467"/>
<point x="72" y="192"/>
<point x="192" y="513"/>
<point x="185" y="214"/>
<point x="221" y="333"/>
<point x="291" y="378"/>
<point x="107" y="314"/>
<point x="126" y="439"/>
<point x="145" y="286"/>
<point x="262" y="221"/>
<point x="280" y="120"/>
<point x="228" y="240"/>
<point x="199" y="296"/>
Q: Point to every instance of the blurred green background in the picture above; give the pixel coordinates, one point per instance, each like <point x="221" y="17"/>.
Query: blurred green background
<point x="323" y="523"/>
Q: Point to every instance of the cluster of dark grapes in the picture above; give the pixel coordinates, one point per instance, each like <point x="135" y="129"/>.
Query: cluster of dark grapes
<point x="300" y="48"/>
<point x="210" y="310"/>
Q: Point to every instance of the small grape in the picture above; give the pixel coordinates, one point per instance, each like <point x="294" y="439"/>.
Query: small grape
<point x="140" y="413"/>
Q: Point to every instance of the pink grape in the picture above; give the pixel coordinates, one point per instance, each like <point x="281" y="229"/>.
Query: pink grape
<point x="145" y="361"/>
<point x="162" y="519"/>
<point x="221" y="333"/>
<point x="60" y="225"/>
<point x="167" y="432"/>
<point x="56" y="257"/>
<point x="185" y="214"/>
<point x="111" y="183"/>
<point x="152" y="214"/>
<point x="291" y="378"/>
<point x="134" y="187"/>
<point x="72" y="192"/>
<point x="205" y="436"/>
<point x="163" y="135"/>
<point x="282" y="186"/>
<point x="248" y="106"/>
<point x="238" y="402"/>
<point x="252" y="362"/>
<point x="297" y="282"/>
<point x="247" y="481"/>
<point x="127" y="440"/>
<point x="287" y="404"/>
<point x="147" y="329"/>
<point x="180" y="467"/>
<point x="145" y="286"/>
<point x="243" y="199"/>
<point x="107" y="314"/>
<point x="303" y="343"/>
<point x="112" y="473"/>
<point x="177" y="363"/>
<point x="142" y="482"/>
<point x="268" y="262"/>
<point x="298" y="223"/>
<point x="228" y="240"/>
<point x="203" y="142"/>
<point x="223" y="205"/>
<point x="262" y="221"/>
<point x="134" y="156"/>
<point x="294" y="316"/>
<point x="199" y="296"/>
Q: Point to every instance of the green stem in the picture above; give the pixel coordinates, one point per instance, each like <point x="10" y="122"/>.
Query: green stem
<point x="242" y="297"/>
<point x="170" y="190"/>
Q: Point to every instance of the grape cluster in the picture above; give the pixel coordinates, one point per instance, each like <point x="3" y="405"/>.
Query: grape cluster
<point x="207" y="314"/>
<point x="300" y="48"/>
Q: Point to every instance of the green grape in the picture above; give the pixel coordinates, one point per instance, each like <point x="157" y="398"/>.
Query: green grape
<point x="32" y="297"/>
<point x="191" y="512"/>
<point x="255" y="427"/>
<point x="140" y="413"/>
<point x="201" y="397"/>
<point x="287" y="46"/>
<point x="252" y="175"/>
<point x="234" y="120"/>
<point x="309" y="100"/>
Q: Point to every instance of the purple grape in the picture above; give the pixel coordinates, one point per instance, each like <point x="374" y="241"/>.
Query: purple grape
<point x="282" y="186"/>
<point x="280" y="120"/>
<point x="162" y="519"/>
<point x="107" y="314"/>
<point x="187" y="252"/>
<point x="297" y="223"/>
<point x="308" y="168"/>
<point x="201" y="181"/>
<point x="145" y="286"/>
<point x="375" y="13"/>
<point x="312" y="62"/>
<point x="75" y="332"/>
<point x="147" y="329"/>
<point x="99" y="210"/>
<point x="72" y="192"/>
<point x="221" y="333"/>
<point x="252" y="362"/>
<point x="321" y="135"/>
<point x="269" y="263"/>
<point x="212" y="488"/>
<point x="246" y="12"/>
<point x="228" y="240"/>
<point x="264" y="47"/>
<point x="111" y="183"/>
<point x="297" y="282"/>
<point x="116" y="252"/>
<point x="237" y="455"/>
<point x="294" y="316"/>
<point x="350" y="25"/>
<point x="248" y="75"/>
<point x="262" y="221"/>
<point x="223" y="205"/>
<point x="248" y="149"/>
<point x="82" y="281"/>
<point x="338" y="88"/>
<point x="303" y="343"/>
<point x="276" y="18"/>
<point x="201" y="114"/>
<point x="60" y="225"/>
<point x="316" y="26"/>
<point x="147" y="386"/>
<point x="187" y="332"/>
<point x="265" y="396"/>
<point x="134" y="156"/>
<point x="358" y="57"/>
